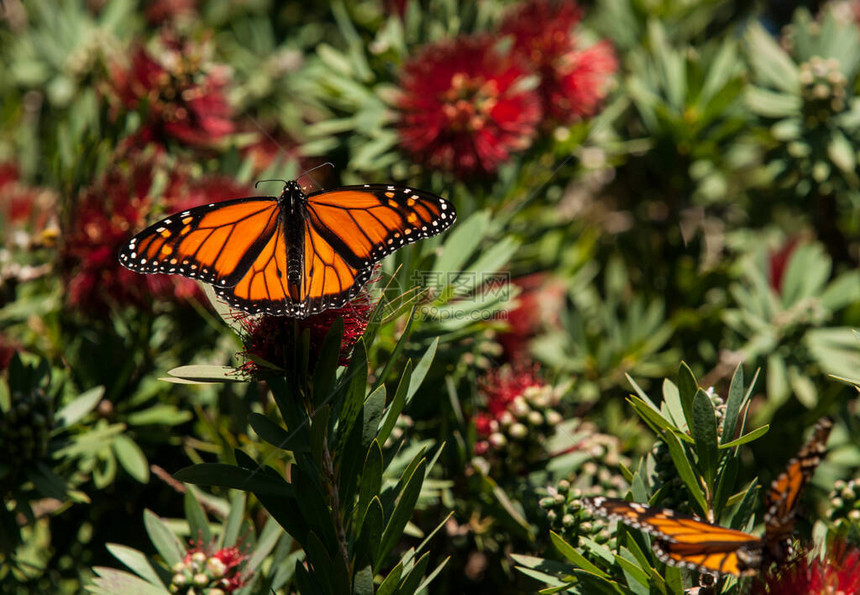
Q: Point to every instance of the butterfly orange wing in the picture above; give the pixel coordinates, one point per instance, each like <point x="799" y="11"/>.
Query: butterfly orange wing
<point x="784" y="493"/>
<point x="684" y="540"/>
<point x="215" y="243"/>
<point x="241" y="248"/>
<point x="351" y="228"/>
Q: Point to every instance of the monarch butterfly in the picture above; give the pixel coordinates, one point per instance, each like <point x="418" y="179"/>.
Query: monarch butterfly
<point x="294" y="255"/>
<point x="690" y="542"/>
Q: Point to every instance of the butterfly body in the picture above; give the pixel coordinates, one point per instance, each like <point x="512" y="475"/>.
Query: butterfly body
<point x="690" y="542"/>
<point x="294" y="255"/>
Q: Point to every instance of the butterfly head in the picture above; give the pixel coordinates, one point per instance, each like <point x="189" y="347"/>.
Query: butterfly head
<point x="292" y="195"/>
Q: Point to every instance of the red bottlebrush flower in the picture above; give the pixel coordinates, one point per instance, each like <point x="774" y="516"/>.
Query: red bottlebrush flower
<point x="465" y="106"/>
<point x="181" y="101"/>
<point x="838" y="573"/>
<point x="271" y="338"/>
<point x="573" y="81"/>
<point x="25" y="208"/>
<point x="8" y="348"/>
<point x="108" y="214"/>
<point x="539" y="303"/>
<point x="519" y="414"/>
<point x="777" y="262"/>
<point x="203" y="572"/>
<point x="159" y="12"/>
<point x="501" y="386"/>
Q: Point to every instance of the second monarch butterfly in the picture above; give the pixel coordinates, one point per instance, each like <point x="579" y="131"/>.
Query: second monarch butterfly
<point x="690" y="542"/>
<point x="294" y="255"/>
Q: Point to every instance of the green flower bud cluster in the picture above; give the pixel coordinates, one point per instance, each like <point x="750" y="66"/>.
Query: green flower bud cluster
<point x="201" y="574"/>
<point x="568" y="517"/>
<point x="822" y="88"/>
<point x="845" y="502"/>
<point x="25" y="427"/>
<point x="518" y="435"/>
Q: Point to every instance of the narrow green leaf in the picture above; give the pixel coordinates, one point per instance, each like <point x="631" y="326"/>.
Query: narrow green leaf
<point x="409" y="585"/>
<point x="163" y="539"/>
<point x="685" y="469"/>
<point x="370" y="537"/>
<point x="568" y="551"/>
<point x="131" y="457"/>
<point x="755" y="434"/>
<point x="402" y="513"/>
<point x="80" y="407"/>
<point x="231" y="476"/>
<point x="205" y="374"/>
<point x="110" y="581"/>
<point x="198" y="524"/>
<point x="396" y="406"/>
<point x="389" y="584"/>
<point x="277" y="435"/>
<point x="687" y="387"/>
<point x="705" y="434"/>
<point x="136" y="561"/>
<point x="371" y="481"/>
<point x="326" y="367"/>
<point x="733" y="405"/>
<point x="421" y="369"/>
<point x="230" y="533"/>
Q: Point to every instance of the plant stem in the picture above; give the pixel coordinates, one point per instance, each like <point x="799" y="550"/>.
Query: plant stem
<point x="328" y="468"/>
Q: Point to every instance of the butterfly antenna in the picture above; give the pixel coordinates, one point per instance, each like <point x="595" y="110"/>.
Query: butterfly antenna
<point x="306" y="174"/>
<point x="258" y="182"/>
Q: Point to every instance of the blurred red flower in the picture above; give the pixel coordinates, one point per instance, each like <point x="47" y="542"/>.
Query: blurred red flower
<point x="272" y="338"/>
<point x="109" y="213"/>
<point x="24" y="208"/>
<point x="539" y="305"/>
<point x="181" y="100"/>
<point x="159" y="12"/>
<point x="465" y="106"/>
<point x="838" y="573"/>
<point x="574" y="81"/>
<point x="203" y="572"/>
<point x="499" y="388"/>
<point x="777" y="261"/>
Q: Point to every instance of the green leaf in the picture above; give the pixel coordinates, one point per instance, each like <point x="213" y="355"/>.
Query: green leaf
<point x="687" y="387"/>
<point x="230" y="533"/>
<point x="319" y="433"/>
<point x="421" y="369"/>
<point x="705" y="434"/>
<point x="80" y="407"/>
<point x="685" y="469"/>
<point x="276" y="435"/>
<point x="733" y="405"/>
<point x="567" y="550"/>
<point x="372" y="414"/>
<point x="370" y="536"/>
<point x="314" y="508"/>
<point x="352" y="404"/>
<point x="198" y="524"/>
<point x="371" y="481"/>
<point x="327" y="362"/>
<point x="135" y="561"/>
<point x="459" y="246"/>
<point x="397" y="403"/>
<point x="231" y="476"/>
<point x="402" y="513"/>
<point x="755" y="434"/>
<point x="204" y="374"/>
<point x="389" y="584"/>
<point x="131" y="457"/>
<point x="163" y="539"/>
<point x="109" y="581"/>
<point x="47" y="483"/>
<point x="413" y="578"/>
